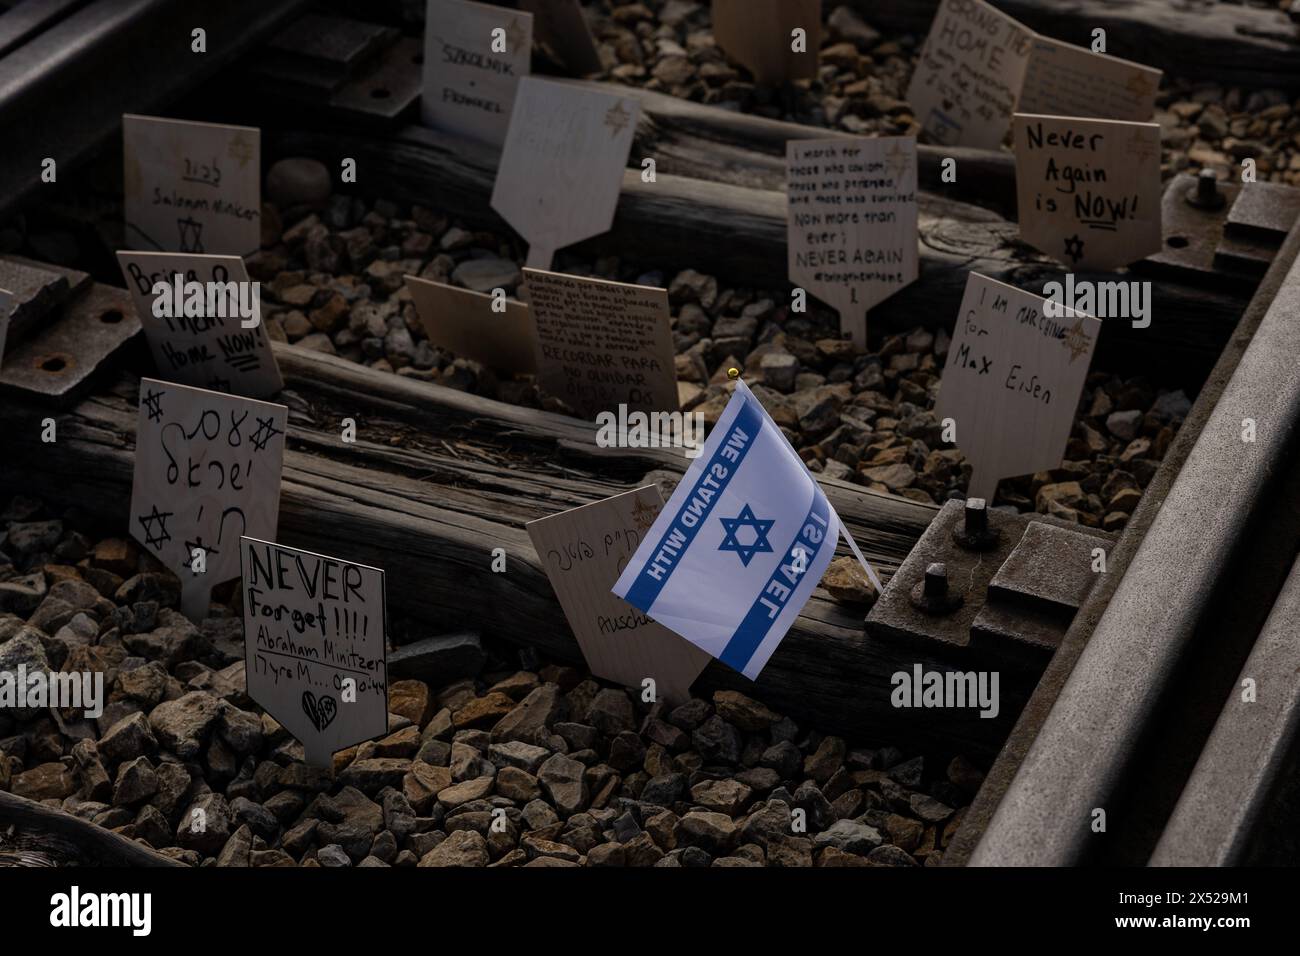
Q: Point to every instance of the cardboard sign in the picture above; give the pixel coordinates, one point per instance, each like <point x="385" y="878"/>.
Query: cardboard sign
<point x="207" y="471"/>
<point x="852" y="222"/>
<point x="192" y="187"/>
<point x="1012" y="381"/>
<point x="757" y="34"/>
<point x="463" y="322"/>
<point x="563" y="30"/>
<point x="314" y="650"/>
<point x="470" y="75"/>
<point x="601" y="344"/>
<point x="1088" y="190"/>
<point x="584" y="551"/>
<point x="1066" y="80"/>
<point x="201" y="338"/>
<point x="969" y="74"/>
<point x="562" y="165"/>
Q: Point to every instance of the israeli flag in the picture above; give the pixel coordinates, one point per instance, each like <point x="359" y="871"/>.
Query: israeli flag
<point x="737" y="551"/>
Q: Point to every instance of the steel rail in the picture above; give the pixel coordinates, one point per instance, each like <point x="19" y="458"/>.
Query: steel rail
<point x="1179" y="622"/>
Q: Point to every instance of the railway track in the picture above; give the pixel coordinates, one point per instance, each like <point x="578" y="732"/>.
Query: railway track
<point x="1140" y="712"/>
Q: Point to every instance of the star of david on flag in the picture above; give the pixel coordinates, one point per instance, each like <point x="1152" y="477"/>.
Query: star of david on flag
<point x="741" y="545"/>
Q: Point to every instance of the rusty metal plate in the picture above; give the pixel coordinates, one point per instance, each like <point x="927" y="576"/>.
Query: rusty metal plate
<point x="1264" y="211"/>
<point x="55" y="364"/>
<point x="1050" y="567"/>
<point x="1018" y="636"/>
<point x="389" y="88"/>
<point x="1191" y="234"/>
<point x="37" y="290"/>
<point x="893" y="616"/>
<point x="321" y="52"/>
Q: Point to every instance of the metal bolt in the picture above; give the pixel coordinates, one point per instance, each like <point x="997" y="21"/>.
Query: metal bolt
<point x="932" y="595"/>
<point x="1205" y="194"/>
<point x="974" y="533"/>
<point x="936" y="580"/>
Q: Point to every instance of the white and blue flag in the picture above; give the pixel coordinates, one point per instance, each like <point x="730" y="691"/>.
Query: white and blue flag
<point x="737" y="551"/>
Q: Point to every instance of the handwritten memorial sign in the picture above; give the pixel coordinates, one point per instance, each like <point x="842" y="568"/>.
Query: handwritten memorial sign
<point x="470" y="75"/>
<point x="192" y="187"/>
<point x="584" y="551"/>
<point x="969" y="74"/>
<point x="562" y="165"/>
<point x="601" y="344"/>
<point x="1088" y="190"/>
<point x="206" y="329"/>
<point x="464" y="322"/>
<point x="757" y="34"/>
<point x="207" y="470"/>
<point x="563" y="30"/>
<point x="1066" y="80"/>
<point x="1012" y="381"/>
<point x="852" y="222"/>
<point x="314" y="651"/>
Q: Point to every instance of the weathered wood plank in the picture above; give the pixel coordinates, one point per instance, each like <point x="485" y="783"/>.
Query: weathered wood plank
<point x="1228" y="43"/>
<point x="431" y="515"/>
<point x="738" y="233"/>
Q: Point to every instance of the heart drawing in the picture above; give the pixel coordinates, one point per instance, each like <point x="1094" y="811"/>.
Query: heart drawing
<point x="319" y="712"/>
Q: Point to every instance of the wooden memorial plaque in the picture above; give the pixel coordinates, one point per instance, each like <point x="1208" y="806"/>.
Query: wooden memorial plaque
<point x="969" y="74"/>
<point x="561" y="28"/>
<point x="583" y="552"/>
<point x="207" y="471"/>
<point x="562" y="166"/>
<point x="601" y="344"/>
<point x="852" y="222"/>
<point x="463" y="322"/>
<point x="209" y="336"/>
<point x="192" y="187"/>
<point x="470" y="74"/>
<point x="1012" y="381"/>
<point x="314" y="649"/>
<point x="1088" y="190"/>
<point x="757" y="34"/>
<point x="1066" y="80"/>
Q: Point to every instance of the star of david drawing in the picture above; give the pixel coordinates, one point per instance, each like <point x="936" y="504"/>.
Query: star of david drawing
<point x="266" y="430"/>
<point x="191" y="234"/>
<point x="760" y="528"/>
<point x="1140" y="145"/>
<point x="899" y="162"/>
<point x="153" y="405"/>
<point x="514" y="36"/>
<point x="241" y="149"/>
<point x="156" y="537"/>
<point x="616" y="118"/>
<point x="643" y="514"/>
<point x="198" y="543"/>
<point x="1077" y="340"/>
<point x="1074" y="248"/>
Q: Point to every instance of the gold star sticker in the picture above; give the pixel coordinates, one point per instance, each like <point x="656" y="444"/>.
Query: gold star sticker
<point x="1138" y="84"/>
<point x="1140" y="145"/>
<point x="514" y="36"/>
<point x="617" y="117"/>
<point x="1077" y="340"/>
<point x="643" y="514"/>
<point x="899" y="162"/>
<point x="241" y="149"/>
